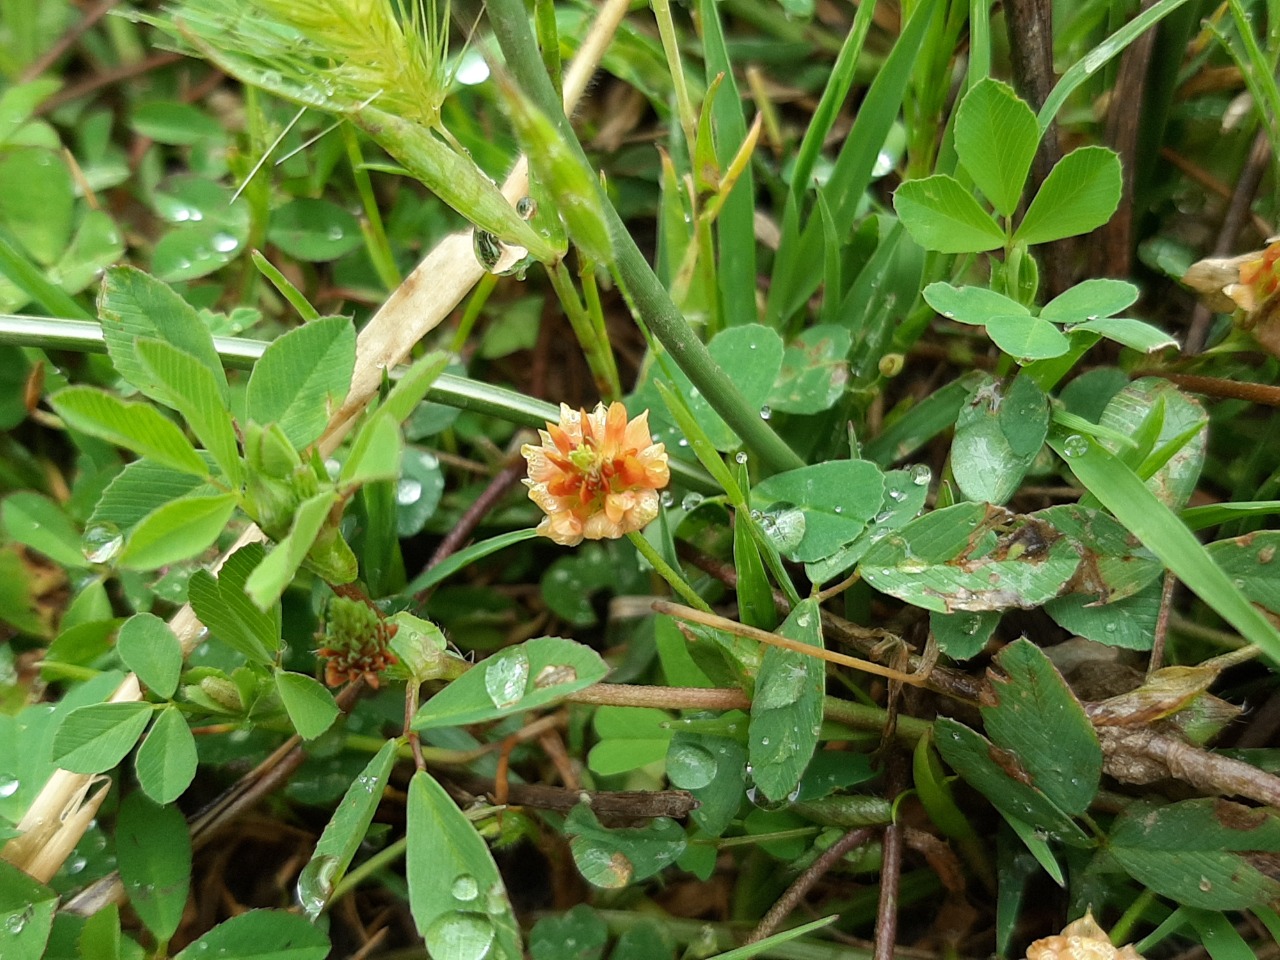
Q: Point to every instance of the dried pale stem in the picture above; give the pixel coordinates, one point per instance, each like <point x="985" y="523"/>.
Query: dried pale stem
<point x="764" y="636"/>
<point x="664" y="698"/>
<point x="416" y="307"/>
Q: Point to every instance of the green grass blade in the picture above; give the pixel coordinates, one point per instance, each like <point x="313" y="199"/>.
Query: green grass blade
<point x="735" y="231"/>
<point x="1121" y="491"/>
<point x="1101" y="55"/>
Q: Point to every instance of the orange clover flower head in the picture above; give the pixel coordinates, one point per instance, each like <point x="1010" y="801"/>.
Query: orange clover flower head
<point x="595" y="475"/>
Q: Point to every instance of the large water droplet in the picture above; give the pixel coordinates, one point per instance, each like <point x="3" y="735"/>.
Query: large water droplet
<point x="691" y="501"/>
<point x="315" y="884"/>
<point x="101" y="542"/>
<point x="224" y="242"/>
<point x="8" y="785"/>
<point x="690" y="766"/>
<point x="1075" y="445"/>
<point x="465" y="888"/>
<point x="783" y="524"/>
<point x="505" y="677"/>
<point x="740" y="457"/>
<point x="920" y="474"/>
<point x="408" y="491"/>
<point x="460" y="936"/>
<point x="766" y="412"/>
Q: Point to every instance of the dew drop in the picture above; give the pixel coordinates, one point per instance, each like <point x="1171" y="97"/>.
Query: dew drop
<point x="667" y="498"/>
<point x="691" y="501"/>
<point x="335" y="232"/>
<point x="505" y="677"/>
<point x="896" y="495"/>
<point x="101" y="542"/>
<point x="224" y="242"/>
<point x="921" y="475"/>
<point x="1205" y="884"/>
<point x="408" y="491"/>
<point x="740" y="457"/>
<point x="465" y="888"/>
<point x="460" y="936"/>
<point x="315" y="884"/>
<point x="526" y="208"/>
<point x="766" y="412"/>
<point x="1075" y="445"/>
<point x="8" y="785"/>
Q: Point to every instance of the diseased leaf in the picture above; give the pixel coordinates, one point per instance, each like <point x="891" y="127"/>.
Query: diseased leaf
<point x="1199" y="852"/>
<point x="814" y="372"/>
<point x="999" y="776"/>
<point x="954" y="559"/>
<point x="1036" y="716"/>
<point x="1251" y="561"/>
<point x="998" y="436"/>
<point x="615" y="858"/>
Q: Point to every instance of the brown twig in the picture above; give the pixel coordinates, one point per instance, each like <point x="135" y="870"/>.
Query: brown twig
<point x="64" y="42"/>
<point x="1156" y="659"/>
<point x="891" y="866"/>
<point x="502" y="482"/>
<point x="805" y="882"/>
<point x="1112" y="246"/>
<point x="106" y="79"/>
<point x="663" y="698"/>
<point x="613" y="805"/>
<point x="1142" y="755"/>
<point x="1263" y="394"/>
<point x="944" y="680"/>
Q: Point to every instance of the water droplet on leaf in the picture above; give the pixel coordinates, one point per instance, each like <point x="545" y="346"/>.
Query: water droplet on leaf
<point x="101" y="542"/>
<point x="505" y="677"/>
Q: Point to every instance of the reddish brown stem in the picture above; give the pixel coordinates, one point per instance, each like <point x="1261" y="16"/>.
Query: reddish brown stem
<point x="802" y="884"/>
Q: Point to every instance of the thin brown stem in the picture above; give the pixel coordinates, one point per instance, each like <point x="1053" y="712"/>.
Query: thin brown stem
<point x="609" y="805"/>
<point x="65" y="42"/>
<point x="1162" y="623"/>
<point x="663" y="698"/>
<point x="774" y="640"/>
<point x="805" y="882"/>
<point x="891" y="866"/>
<point x="489" y="498"/>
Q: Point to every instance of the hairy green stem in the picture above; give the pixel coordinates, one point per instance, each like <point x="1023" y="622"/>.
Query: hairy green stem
<point x="510" y="24"/>
<point x="668" y="572"/>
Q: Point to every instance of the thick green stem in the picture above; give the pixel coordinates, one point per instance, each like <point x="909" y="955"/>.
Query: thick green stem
<point x="668" y="572"/>
<point x="510" y="24"/>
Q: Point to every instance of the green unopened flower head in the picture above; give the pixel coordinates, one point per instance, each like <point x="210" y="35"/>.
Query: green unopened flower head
<point x="356" y="642"/>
